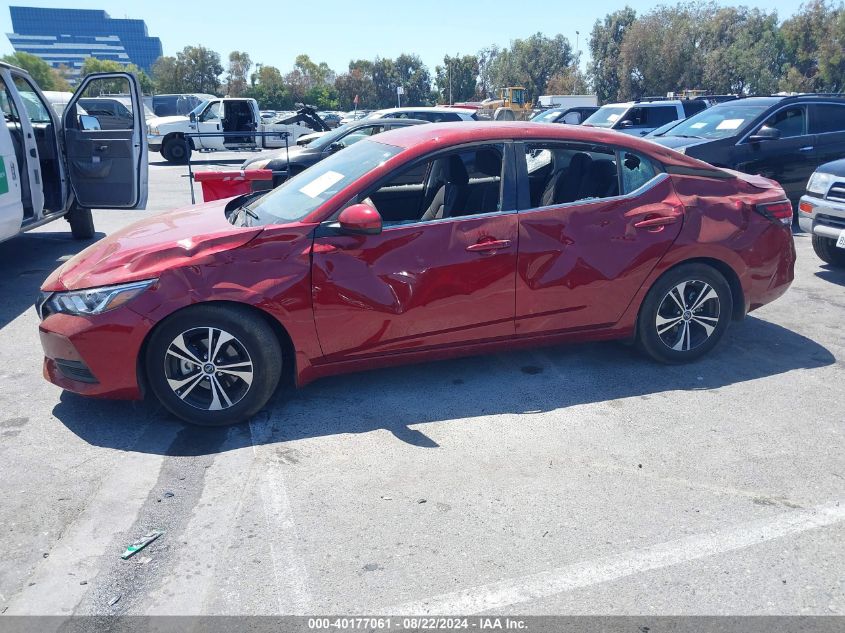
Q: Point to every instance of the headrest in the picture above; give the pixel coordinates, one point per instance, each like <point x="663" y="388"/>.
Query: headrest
<point x="488" y="162"/>
<point x="456" y="173"/>
<point x="580" y="162"/>
<point x="603" y="168"/>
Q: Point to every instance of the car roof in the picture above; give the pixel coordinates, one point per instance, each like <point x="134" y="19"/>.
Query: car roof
<point x="427" y="138"/>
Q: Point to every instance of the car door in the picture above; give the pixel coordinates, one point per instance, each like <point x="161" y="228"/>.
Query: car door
<point x="827" y="122"/>
<point x="106" y="168"/>
<point x="209" y="121"/>
<point x="426" y="280"/>
<point x="789" y="159"/>
<point x="11" y="204"/>
<point x="588" y="238"/>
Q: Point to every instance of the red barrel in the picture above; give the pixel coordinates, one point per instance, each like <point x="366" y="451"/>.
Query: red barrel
<point x="227" y="184"/>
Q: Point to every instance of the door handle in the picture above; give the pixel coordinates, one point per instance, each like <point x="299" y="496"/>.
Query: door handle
<point x="656" y="222"/>
<point x="489" y="245"/>
<point x="102" y="148"/>
<point x="809" y="148"/>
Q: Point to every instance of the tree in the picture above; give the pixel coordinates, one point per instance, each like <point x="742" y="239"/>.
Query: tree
<point x="200" y="69"/>
<point x="414" y="77"/>
<point x="239" y="65"/>
<point x="570" y="81"/>
<point x="168" y="76"/>
<point x="95" y="65"/>
<point x="531" y="63"/>
<point x="605" y="42"/>
<point x="358" y="82"/>
<point x="486" y="59"/>
<point x="268" y="88"/>
<point x="814" y="40"/>
<point x="457" y="78"/>
<point x="41" y="72"/>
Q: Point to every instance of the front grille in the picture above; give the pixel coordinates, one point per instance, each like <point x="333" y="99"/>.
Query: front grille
<point x="837" y="192"/>
<point x="75" y="370"/>
<point x="830" y="220"/>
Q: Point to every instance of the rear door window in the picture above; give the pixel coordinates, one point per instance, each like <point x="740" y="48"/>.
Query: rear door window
<point x="827" y="117"/>
<point x="660" y="115"/>
<point x="636" y="171"/>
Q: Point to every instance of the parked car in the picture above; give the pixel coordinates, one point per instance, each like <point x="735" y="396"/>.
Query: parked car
<point x="571" y="116"/>
<point x="641" y="117"/>
<point x="332" y="119"/>
<point x="434" y="114"/>
<point x="354" y="115"/>
<point x="110" y="112"/>
<point x="822" y="212"/>
<point x="61" y="165"/>
<point x="782" y="137"/>
<point x="425" y="242"/>
<point x="300" y="158"/>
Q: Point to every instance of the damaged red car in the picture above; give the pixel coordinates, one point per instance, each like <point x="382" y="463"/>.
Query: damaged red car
<point x="423" y="243"/>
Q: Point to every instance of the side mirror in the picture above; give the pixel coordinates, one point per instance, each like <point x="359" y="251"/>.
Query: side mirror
<point x="360" y="219"/>
<point x="336" y="147"/>
<point x="88" y="122"/>
<point x="765" y="133"/>
<point x="193" y="117"/>
<point x="626" y="123"/>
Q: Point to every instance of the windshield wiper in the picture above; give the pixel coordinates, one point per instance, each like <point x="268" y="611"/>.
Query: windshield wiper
<point x="684" y="135"/>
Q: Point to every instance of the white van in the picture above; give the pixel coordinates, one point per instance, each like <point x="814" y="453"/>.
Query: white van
<point x="54" y="166"/>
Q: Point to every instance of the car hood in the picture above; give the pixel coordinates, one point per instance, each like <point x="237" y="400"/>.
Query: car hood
<point x="158" y="121"/>
<point x="147" y="248"/>
<point x="677" y="142"/>
<point x="295" y="152"/>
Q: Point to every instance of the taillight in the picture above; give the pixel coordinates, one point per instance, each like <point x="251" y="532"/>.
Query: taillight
<point x="779" y="212"/>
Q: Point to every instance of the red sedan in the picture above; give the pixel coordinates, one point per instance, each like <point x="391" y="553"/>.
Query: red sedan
<point x="428" y="242"/>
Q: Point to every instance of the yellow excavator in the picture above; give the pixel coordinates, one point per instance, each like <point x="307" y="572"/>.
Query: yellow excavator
<point x="510" y="106"/>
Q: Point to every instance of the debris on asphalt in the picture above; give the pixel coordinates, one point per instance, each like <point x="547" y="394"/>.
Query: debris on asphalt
<point x="144" y="560"/>
<point x="421" y="501"/>
<point x="639" y="465"/>
<point x="545" y="533"/>
<point x="83" y="582"/>
<point x="45" y="554"/>
<point x="386" y="498"/>
<point x="140" y="544"/>
<point x="168" y="494"/>
<point x="114" y="600"/>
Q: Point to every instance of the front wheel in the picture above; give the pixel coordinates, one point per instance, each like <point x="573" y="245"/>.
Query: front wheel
<point x="213" y="365"/>
<point x="825" y="248"/>
<point x="685" y="314"/>
<point x="176" y="150"/>
<point x="81" y="223"/>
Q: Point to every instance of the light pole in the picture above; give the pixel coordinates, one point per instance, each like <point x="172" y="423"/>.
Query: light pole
<point x="450" y="81"/>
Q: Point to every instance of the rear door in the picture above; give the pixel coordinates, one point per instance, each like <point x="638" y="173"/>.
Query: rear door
<point x="827" y="122"/>
<point x="107" y="169"/>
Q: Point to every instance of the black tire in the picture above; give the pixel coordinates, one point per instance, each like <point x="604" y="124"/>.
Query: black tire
<point x="825" y="248"/>
<point x="253" y="349"/>
<point x="691" y="332"/>
<point x="81" y="223"/>
<point x="176" y="150"/>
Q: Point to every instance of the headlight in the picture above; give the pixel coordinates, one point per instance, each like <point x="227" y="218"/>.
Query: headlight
<point x="256" y="164"/>
<point x="152" y="130"/>
<point x="820" y="183"/>
<point x="91" y="300"/>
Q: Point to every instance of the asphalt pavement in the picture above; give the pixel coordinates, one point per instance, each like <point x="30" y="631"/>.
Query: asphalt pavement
<point x="578" y="479"/>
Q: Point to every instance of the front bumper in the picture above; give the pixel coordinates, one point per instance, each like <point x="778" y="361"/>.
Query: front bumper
<point x="825" y="218"/>
<point x="96" y="355"/>
<point x="154" y="142"/>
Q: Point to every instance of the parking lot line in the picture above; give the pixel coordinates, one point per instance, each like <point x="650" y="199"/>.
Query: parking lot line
<point x="584" y="574"/>
<point x="291" y="584"/>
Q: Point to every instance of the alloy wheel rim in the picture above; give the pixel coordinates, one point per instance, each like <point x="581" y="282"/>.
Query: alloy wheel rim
<point x="208" y="368"/>
<point x="688" y="315"/>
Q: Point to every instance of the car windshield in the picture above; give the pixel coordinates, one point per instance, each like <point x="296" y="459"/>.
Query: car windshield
<point x="720" y="121"/>
<point x="546" y="116"/>
<point x="606" y="116"/>
<point x="200" y="107"/>
<point x="302" y="194"/>
<point x="327" y="139"/>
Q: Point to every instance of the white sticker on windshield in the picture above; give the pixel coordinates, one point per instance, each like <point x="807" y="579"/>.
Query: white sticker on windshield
<point x="729" y="124"/>
<point x="699" y="125"/>
<point x="321" y="183"/>
<point x="613" y="118"/>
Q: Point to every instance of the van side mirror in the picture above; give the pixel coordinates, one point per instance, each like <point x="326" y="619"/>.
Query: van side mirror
<point x="88" y="122"/>
<point x="765" y="133"/>
<point x="193" y="117"/>
<point x="336" y="147"/>
<point x="626" y="123"/>
<point x="360" y="219"/>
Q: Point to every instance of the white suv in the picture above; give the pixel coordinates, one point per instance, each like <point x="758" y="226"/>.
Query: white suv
<point x="435" y="114"/>
<point x="641" y="117"/>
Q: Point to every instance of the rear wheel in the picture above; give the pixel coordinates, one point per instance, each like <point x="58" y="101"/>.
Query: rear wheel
<point x="825" y="248"/>
<point x="214" y="365"/>
<point x="81" y="223"/>
<point x="685" y="314"/>
<point x="176" y="150"/>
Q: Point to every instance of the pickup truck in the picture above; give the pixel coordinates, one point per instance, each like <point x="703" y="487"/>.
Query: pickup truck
<point x="226" y="115"/>
<point x="63" y="165"/>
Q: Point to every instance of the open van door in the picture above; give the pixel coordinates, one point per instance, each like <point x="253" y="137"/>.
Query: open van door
<point x="107" y="168"/>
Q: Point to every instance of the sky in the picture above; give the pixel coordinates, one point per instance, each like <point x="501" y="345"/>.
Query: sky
<point x="336" y="31"/>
